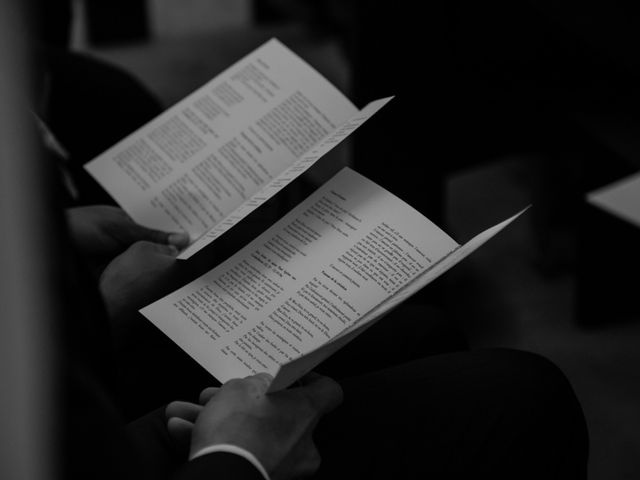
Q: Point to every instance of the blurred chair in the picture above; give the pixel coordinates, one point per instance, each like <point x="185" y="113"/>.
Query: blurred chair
<point x="28" y="371"/>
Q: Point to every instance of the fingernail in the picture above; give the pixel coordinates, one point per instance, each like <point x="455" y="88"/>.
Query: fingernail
<point x="266" y="376"/>
<point x="173" y="250"/>
<point x="180" y="239"/>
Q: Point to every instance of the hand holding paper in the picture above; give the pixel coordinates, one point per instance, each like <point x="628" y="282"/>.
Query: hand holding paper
<point x="213" y="158"/>
<point x="339" y="260"/>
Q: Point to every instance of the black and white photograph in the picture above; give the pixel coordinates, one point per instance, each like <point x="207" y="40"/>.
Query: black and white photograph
<point x="324" y="239"/>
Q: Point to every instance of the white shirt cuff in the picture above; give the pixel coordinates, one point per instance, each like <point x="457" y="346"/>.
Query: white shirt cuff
<point x="227" y="448"/>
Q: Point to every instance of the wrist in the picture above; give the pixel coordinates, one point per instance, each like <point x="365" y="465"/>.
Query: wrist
<point x="234" y="450"/>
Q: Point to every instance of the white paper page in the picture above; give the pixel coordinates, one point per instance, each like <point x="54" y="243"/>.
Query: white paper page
<point x="286" y="177"/>
<point x="190" y="167"/>
<point x="341" y="252"/>
<point x="291" y="371"/>
<point x="621" y="199"/>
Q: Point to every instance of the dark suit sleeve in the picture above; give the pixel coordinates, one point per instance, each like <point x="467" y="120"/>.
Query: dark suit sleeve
<point x="153" y="445"/>
<point x="218" y="466"/>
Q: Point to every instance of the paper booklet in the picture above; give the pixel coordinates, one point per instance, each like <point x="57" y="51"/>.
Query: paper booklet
<point x="217" y="155"/>
<point x="320" y="276"/>
<point x="621" y="198"/>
